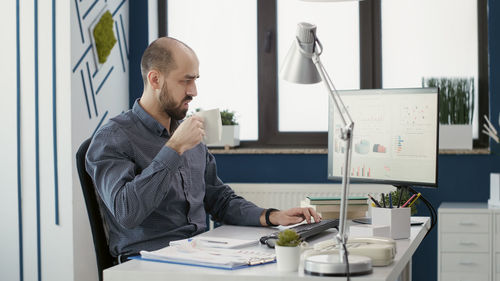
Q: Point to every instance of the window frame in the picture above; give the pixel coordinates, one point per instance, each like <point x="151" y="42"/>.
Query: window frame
<point x="370" y="35"/>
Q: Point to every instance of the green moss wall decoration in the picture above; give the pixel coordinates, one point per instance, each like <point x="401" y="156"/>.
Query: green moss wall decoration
<point x="104" y="37"/>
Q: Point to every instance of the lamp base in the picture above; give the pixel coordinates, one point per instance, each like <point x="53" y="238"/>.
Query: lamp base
<point x="330" y="265"/>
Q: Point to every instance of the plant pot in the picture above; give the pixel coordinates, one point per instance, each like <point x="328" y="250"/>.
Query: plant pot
<point x="455" y="136"/>
<point x="230" y="137"/>
<point x="287" y="258"/>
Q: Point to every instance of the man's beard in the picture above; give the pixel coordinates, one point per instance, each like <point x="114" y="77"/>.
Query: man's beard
<point x="175" y="111"/>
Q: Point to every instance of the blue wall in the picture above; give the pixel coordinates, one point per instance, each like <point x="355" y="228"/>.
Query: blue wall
<point x="138" y="29"/>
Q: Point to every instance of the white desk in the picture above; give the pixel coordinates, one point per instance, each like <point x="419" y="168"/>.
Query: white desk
<point x="156" y="271"/>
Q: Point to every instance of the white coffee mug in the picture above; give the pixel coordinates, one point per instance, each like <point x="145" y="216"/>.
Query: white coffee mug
<point x="212" y="124"/>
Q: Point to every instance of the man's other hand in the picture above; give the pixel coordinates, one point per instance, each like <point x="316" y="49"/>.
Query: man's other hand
<point x="189" y="134"/>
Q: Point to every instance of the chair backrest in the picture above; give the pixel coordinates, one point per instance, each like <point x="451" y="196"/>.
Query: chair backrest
<point x="104" y="258"/>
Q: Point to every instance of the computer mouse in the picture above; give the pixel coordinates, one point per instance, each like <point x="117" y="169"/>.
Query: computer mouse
<point x="271" y="242"/>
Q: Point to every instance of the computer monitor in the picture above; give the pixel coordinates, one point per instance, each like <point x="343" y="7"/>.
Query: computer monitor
<point x="395" y="138"/>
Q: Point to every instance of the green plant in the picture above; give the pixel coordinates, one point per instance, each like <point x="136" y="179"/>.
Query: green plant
<point x="288" y="238"/>
<point x="228" y="117"/>
<point x="395" y="196"/>
<point x="456" y="98"/>
<point x="104" y="36"/>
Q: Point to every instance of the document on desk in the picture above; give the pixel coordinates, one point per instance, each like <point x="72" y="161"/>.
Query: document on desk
<point x="217" y="242"/>
<point x="196" y="254"/>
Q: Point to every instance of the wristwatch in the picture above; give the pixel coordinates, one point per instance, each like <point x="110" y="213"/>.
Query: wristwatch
<point x="268" y="212"/>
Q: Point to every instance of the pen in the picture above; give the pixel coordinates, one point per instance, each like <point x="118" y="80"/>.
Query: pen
<point x="390" y="200"/>
<point x="213" y="241"/>
<point x="400" y="196"/>
<point x="409" y="200"/>
<point x="383" y="200"/>
<point x="375" y="201"/>
<point x="418" y="195"/>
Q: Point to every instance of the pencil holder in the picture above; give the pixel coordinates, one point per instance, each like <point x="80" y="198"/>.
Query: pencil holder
<point x="398" y="220"/>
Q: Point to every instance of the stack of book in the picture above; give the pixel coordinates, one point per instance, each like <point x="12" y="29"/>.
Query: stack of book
<point x="329" y="207"/>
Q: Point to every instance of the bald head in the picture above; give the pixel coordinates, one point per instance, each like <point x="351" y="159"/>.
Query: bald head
<point x="160" y="55"/>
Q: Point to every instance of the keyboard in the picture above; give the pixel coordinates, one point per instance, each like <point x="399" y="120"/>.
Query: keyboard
<point x="303" y="230"/>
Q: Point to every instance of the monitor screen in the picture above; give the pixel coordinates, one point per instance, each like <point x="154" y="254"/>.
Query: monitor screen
<point x="395" y="137"/>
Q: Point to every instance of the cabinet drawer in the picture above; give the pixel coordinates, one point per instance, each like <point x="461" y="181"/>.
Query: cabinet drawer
<point x="465" y="262"/>
<point x="464" y="277"/>
<point x="470" y="242"/>
<point x="497" y="233"/>
<point x="468" y="223"/>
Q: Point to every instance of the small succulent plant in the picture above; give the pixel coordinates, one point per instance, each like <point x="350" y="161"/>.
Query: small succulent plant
<point x="288" y="238"/>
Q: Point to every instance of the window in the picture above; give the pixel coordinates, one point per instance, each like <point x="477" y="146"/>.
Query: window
<point x="302" y="107"/>
<point x="366" y="44"/>
<point x="223" y="34"/>
<point x="427" y="39"/>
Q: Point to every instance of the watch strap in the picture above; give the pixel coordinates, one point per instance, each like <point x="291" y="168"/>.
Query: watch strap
<point x="268" y="212"/>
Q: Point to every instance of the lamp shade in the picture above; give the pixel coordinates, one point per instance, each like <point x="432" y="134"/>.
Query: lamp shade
<point x="298" y="66"/>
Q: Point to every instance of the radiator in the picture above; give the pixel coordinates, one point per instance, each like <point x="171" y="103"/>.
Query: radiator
<point x="285" y="196"/>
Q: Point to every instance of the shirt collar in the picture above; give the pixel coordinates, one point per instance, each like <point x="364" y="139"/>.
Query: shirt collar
<point x="148" y="120"/>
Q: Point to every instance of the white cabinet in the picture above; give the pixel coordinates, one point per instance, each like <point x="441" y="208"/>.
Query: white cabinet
<point x="496" y="244"/>
<point x="468" y="242"/>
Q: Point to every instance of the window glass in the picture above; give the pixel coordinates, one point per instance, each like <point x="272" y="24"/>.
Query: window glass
<point x="223" y="34"/>
<point x="429" y="38"/>
<point x="305" y="107"/>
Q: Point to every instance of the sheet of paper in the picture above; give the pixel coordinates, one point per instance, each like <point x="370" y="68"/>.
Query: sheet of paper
<point x="216" y="242"/>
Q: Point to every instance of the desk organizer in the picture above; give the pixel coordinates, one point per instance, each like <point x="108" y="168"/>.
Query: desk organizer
<point x="398" y="219"/>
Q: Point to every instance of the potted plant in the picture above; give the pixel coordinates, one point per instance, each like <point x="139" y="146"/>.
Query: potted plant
<point x="288" y="250"/>
<point x="456" y="108"/>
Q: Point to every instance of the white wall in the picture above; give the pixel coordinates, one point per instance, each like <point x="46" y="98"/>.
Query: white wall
<point x="9" y="265"/>
<point x="106" y="98"/>
<point x="65" y="249"/>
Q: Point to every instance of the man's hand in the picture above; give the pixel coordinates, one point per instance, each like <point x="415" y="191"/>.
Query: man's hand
<point x="189" y="133"/>
<point x="291" y="216"/>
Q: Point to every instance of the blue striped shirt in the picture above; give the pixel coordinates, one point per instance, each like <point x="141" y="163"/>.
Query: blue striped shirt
<point x="151" y="195"/>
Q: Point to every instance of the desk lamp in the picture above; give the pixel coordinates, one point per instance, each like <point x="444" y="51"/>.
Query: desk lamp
<point x="302" y="65"/>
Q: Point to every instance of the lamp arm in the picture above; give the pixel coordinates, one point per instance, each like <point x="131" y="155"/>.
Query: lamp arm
<point x="339" y="104"/>
<point x="346" y="135"/>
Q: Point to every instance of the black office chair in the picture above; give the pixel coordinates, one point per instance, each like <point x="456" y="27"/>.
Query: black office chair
<point x="104" y="258"/>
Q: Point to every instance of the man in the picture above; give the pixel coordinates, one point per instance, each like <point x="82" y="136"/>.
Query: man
<point x="153" y="174"/>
